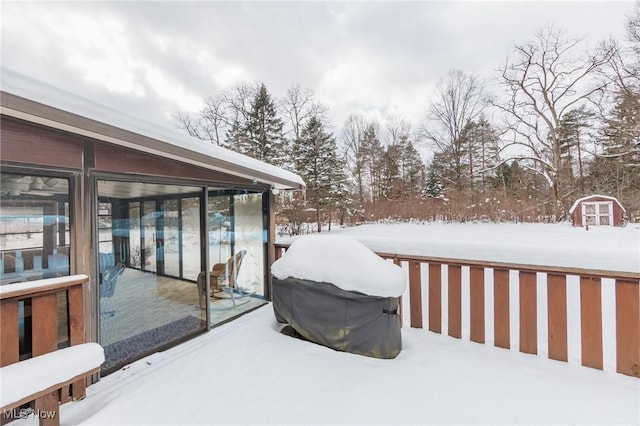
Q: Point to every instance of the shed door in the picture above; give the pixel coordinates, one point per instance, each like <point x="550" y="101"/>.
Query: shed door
<point x="597" y="213"/>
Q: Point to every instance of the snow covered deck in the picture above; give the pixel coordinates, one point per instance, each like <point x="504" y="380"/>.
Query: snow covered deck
<point x="246" y="372"/>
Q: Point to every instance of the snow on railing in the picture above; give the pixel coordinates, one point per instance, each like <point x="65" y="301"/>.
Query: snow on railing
<point x="531" y="297"/>
<point x="44" y="297"/>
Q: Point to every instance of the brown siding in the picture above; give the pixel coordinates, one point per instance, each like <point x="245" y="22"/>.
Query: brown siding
<point x="28" y="143"/>
<point x="122" y="160"/>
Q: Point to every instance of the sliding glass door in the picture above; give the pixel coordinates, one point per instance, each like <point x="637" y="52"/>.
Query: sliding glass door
<point x="150" y="247"/>
<point x="237" y="249"/>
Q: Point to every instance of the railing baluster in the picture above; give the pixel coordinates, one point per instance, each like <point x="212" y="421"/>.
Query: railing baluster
<point x="557" y="316"/>
<point x="628" y="327"/>
<point x="75" y="304"/>
<point x="415" y="294"/>
<point x="435" y="297"/>
<point x="501" y="327"/>
<point x="398" y="262"/>
<point x="591" y="322"/>
<point x="454" y="301"/>
<point x="9" y="338"/>
<point x="44" y="314"/>
<point x="528" y="313"/>
<point x="476" y="296"/>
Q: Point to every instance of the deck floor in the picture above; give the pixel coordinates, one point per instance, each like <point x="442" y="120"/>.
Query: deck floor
<point x="246" y="372"/>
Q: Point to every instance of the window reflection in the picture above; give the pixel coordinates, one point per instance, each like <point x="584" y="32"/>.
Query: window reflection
<point x="149" y="299"/>
<point x="34" y="227"/>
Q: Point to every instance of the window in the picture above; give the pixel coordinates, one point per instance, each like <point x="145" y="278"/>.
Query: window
<point x="34" y="227"/>
<point x="35" y="241"/>
<point x="597" y="213"/>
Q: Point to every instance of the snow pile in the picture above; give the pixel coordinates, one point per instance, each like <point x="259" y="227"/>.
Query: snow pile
<point x="343" y="262"/>
<point x="30" y="376"/>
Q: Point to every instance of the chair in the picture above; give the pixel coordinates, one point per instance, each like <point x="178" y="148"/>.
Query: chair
<point x="222" y="278"/>
<point x="109" y="270"/>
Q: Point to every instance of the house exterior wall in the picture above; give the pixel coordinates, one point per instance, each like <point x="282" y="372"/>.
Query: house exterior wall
<point x="618" y="212"/>
<point x="29" y="149"/>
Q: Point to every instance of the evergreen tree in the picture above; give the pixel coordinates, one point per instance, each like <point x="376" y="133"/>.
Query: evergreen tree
<point x="412" y="168"/>
<point x="373" y="161"/>
<point x="433" y="187"/>
<point x="570" y="134"/>
<point x="316" y="161"/>
<point x="390" y="185"/>
<point x="480" y="149"/>
<point x="261" y="136"/>
<point x="616" y="171"/>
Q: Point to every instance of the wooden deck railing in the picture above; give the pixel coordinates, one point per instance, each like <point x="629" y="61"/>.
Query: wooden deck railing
<point x="43" y="296"/>
<point x="627" y="310"/>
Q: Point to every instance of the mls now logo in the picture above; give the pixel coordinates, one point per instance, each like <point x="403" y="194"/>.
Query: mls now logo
<point x="23" y="413"/>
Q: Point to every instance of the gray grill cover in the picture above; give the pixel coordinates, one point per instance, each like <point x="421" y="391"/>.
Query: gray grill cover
<point x="343" y="320"/>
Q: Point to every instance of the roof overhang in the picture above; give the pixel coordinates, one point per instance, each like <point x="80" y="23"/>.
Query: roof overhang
<point x="75" y="115"/>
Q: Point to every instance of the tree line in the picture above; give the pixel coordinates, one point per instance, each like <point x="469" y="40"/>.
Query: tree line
<point x="556" y="123"/>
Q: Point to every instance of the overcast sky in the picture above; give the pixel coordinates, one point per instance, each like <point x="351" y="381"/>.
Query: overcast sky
<point x="150" y="60"/>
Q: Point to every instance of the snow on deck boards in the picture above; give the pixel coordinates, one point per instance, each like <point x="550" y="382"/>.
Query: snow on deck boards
<point x="245" y="372"/>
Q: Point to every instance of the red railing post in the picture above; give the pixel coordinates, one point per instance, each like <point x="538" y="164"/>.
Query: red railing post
<point x="557" y="316"/>
<point x="454" y="301"/>
<point x="415" y="293"/>
<point x="591" y="321"/>
<point x="528" y="313"/>
<point x="628" y="327"/>
<point x="435" y="298"/>
<point x="476" y="294"/>
<point x="501" y="327"/>
<point x="9" y="338"/>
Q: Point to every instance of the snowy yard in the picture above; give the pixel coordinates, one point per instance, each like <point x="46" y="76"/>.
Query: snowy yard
<point x="246" y="372"/>
<point x="606" y="248"/>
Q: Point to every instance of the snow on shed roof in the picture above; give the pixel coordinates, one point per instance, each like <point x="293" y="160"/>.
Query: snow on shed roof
<point x="578" y="201"/>
<point x="27" y="99"/>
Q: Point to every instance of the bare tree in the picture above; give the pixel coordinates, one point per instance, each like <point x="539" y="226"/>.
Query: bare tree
<point x="460" y="100"/>
<point x="186" y="121"/>
<point x="238" y="101"/>
<point x="215" y="118"/>
<point x="544" y="80"/>
<point x="299" y="105"/>
<point x="355" y="151"/>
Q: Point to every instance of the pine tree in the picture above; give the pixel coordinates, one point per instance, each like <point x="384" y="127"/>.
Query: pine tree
<point x="616" y="171"/>
<point x="373" y="161"/>
<point x="412" y="168"/>
<point x="570" y="134"/>
<point x="433" y="187"/>
<point x="317" y="163"/>
<point x="480" y="150"/>
<point x="261" y="136"/>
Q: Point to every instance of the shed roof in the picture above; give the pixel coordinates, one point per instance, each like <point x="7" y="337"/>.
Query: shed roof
<point x="37" y="102"/>
<point x="578" y="201"/>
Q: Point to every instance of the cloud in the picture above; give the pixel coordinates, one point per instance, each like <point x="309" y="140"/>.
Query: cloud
<point x="376" y="58"/>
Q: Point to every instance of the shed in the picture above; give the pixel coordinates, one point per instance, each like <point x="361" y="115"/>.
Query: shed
<point x="597" y="210"/>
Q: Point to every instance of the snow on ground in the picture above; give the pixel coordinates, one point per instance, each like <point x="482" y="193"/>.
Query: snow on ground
<point x="245" y="372"/>
<point x="605" y="248"/>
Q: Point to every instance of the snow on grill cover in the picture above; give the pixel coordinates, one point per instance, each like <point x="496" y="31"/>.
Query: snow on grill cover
<point x="336" y="292"/>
